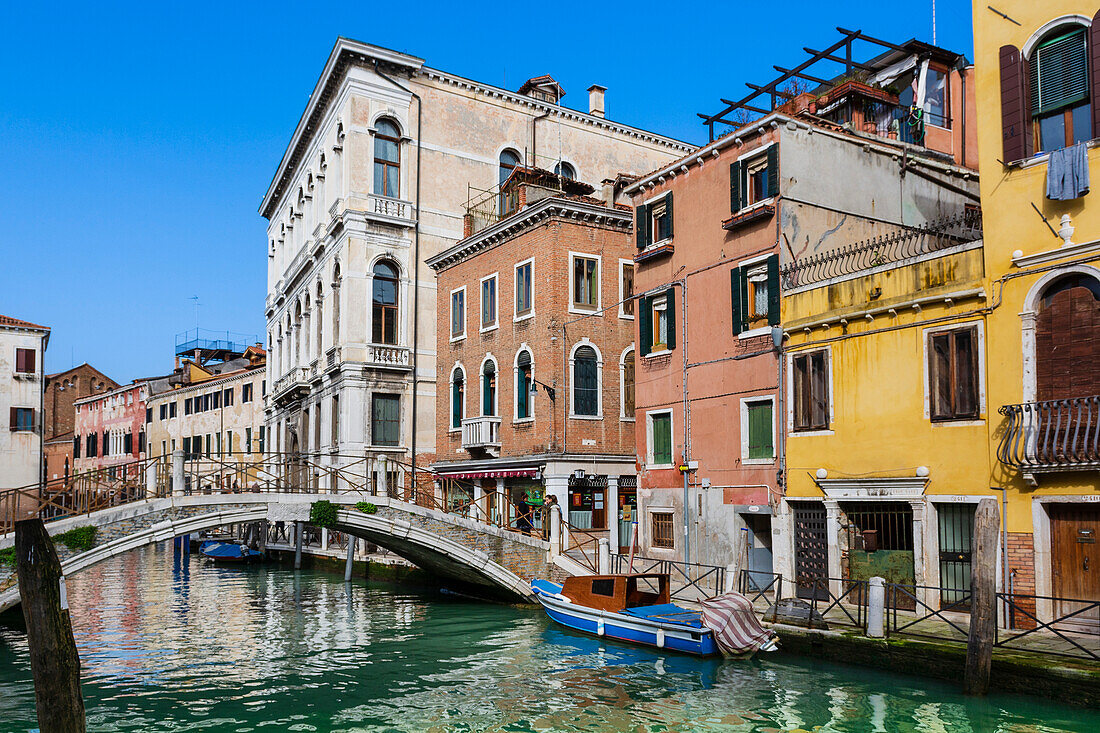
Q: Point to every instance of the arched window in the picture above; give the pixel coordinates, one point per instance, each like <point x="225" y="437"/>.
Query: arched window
<point x="1059" y="88"/>
<point x="586" y="382"/>
<point x="489" y="388"/>
<point x="565" y="171"/>
<point x="1067" y="339"/>
<point x="523" y="385"/>
<point x="509" y="159"/>
<point x="320" y="318"/>
<point x="336" y="305"/>
<point x="628" y="385"/>
<point x="458" y="397"/>
<point x="387" y="159"/>
<point x="385" y="304"/>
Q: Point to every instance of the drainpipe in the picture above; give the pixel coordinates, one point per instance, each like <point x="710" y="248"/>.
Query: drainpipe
<point x="416" y="266"/>
<point x="42" y="418"/>
<point x="687" y="419"/>
<point x="1004" y="547"/>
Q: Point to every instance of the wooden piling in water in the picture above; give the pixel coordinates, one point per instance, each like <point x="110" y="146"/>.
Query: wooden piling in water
<point x="55" y="665"/>
<point x="297" y="545"/>
<point x="983" y="598"/>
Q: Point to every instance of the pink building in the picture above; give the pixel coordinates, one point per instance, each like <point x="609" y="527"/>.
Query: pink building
<point x="110" y="428"/>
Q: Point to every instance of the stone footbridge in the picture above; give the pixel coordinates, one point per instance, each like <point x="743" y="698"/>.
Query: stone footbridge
<point x="496" y="560"/>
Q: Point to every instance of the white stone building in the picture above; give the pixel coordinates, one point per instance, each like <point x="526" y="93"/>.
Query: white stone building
<point x="378" y="177"/>
<point x="22" y="379"/>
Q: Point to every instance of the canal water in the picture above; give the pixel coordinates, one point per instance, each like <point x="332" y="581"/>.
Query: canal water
<point x="171" y="646"/>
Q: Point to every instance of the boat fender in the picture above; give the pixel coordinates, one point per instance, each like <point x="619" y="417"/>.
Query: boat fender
<point x="660" y="638"/>
<point x="599" y="627"/>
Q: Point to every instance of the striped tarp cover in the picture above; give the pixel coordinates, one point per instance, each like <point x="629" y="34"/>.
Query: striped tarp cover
<point x="736" y="629"/>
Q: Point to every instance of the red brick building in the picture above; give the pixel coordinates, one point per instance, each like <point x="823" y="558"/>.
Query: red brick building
<point x="536" y="382"/>
<point x="62" y="391"/>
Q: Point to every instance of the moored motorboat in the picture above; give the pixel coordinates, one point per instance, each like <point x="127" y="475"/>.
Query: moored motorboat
<point x="228" y="552"/>
<point x="637" y="608"/>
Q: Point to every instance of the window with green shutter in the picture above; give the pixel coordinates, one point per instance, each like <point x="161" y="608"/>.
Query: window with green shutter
<point x="458" y="397"/>
<point x="586" y="387"/>
<point x="660" y="439"/>
<point x="761" y="430"/>
<point x="385" y="419"/>
<point x="1059" y="80"/>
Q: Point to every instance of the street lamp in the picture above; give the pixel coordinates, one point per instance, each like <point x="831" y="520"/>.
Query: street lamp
<point x="546" y="387"/>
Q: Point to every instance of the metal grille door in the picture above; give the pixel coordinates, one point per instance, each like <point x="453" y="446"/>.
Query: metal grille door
<point x="956" y="532"/>
<point x="810" y="546"/>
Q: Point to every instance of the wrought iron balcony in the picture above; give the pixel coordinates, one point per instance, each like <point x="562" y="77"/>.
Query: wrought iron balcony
<point x="1056" y="435"/>
<point x="481" y="432"/>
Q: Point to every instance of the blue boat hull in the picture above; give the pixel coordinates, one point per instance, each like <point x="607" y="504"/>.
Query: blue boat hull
<point x="684" y="638"/>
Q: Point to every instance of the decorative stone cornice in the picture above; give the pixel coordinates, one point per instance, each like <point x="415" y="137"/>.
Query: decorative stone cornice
<point x="857" y="489"/>
<point x="581" y="212"/>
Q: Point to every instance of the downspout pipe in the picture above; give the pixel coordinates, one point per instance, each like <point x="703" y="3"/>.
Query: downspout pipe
<point x="416" y="267"/>
<point x="42" y="417"/>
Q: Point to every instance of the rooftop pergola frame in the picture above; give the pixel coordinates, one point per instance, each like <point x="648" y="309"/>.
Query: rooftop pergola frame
<point x="838" y="53"/>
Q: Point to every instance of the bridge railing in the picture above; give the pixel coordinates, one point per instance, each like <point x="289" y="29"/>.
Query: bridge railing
<point x="85" y="492"/>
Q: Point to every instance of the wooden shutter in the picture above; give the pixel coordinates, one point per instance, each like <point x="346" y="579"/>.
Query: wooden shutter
<point x="642" y="226"/>
<point x="773" y="287"/>
<point x="1094" y="73"/>
<point x="773" y="171"/>
<point x="819" y="389"/>
<point x="13" y="417"/>
<point x="668" y="216"/>
<point x="737" y="316"/>
<point x="966" y="369"/>
<point x="20" y="361"/>
<point x="800" y="398"/>
<point x="1014" y="105"/>
<point x="735" y="186"/>
<point x="939" y="376"/>
<point x="29" y="365"/>
<point x="645" y="325"/>
<point x="670" y="305"/>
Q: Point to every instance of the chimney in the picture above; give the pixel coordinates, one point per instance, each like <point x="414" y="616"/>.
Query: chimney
<point x="595" y="100"/>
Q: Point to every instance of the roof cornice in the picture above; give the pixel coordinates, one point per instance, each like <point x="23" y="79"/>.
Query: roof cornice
<point x="582" y="211"/>
<point x="343" y="53"/>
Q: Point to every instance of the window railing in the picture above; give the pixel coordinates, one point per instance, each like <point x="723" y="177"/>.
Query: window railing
<point x="1051" y="435"/>
<point x="885" y="249"/>
<point x="481" y="432"/>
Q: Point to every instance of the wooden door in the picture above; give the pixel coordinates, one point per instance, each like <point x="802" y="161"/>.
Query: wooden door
<point x="1075" y="559"/>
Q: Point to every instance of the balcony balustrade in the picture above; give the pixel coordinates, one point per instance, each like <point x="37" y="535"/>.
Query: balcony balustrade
<point x="1055" y="435"/>
<point x="389" y="357"/>
<point x="481" y="432"/>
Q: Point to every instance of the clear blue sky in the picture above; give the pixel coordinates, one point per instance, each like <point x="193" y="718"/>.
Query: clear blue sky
<point x="137" y="139"/>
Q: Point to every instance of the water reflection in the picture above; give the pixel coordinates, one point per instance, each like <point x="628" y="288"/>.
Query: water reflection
<point x="169" y="644"/>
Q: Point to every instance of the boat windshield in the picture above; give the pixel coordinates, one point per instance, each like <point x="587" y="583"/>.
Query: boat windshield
<point x="646" y="590"/>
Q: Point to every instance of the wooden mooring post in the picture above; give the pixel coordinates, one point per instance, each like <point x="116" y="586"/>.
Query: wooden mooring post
<point x="55" y="665"/>
<point x="983" y="598"/>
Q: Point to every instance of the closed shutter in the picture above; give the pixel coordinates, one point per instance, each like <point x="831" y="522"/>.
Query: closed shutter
<point x="670" y="305"/>
<point x="20" y="360"/>
<point x="737" y="317"/>
<point x="966" y="374"/>
<point x="668" y="217"/>
<point x="1094" y="73"/>
<point x="939" y="374"/>
<point x="819" y="390"/>
<point x="645" y="325"/>
<point x="642" y="227"/>
<point x="773" y="288"/>
<point x="1013" y="109"/>
<point x="1059" y="69"/>
<point x="773" y="171"/>
<point x="735" y="186"/>
<point x="13" y="417"/>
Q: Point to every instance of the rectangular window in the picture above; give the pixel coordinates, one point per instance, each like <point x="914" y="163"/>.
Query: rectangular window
<point x="811" y="395"/>
<point x="187" y="406"/>
<point x="210" y="445"/>
<point x="660" y="439"/>
<point x="660" y="218"/>
<point x="385" y="419"/>
<point x="586" y="283"/>
<point x="760" y="431"/>
<point x="758" y="180"/>
<point x="754" y="180"/>
<point x="660" y="324"/>
<point x="524" y="302"/>
<point x="128" y="444"/>
<point x="626" y="289"/>
<point x="24" y="361"/>
<point x="953" y="374"/>
<point x="662" y="530"/>
<point x="248" y="440"/>
<point x="227" y="397"/>
<point x="335" y="418"/>
<point x="22" y="418"/>
<point x="164" y="447"/>
<point x="458" y="313"/>
<point x="489" y="302"/>
<point x="657" y="322"/>
<point x="187" y="447"/>
<point x="263" y="438"/>
<point x="76" y="447"/>
<point x="215" y="400"/>
<point x="246" y="393"/>
<point x="218" y="444"/>
<point x="164" y="411"/>
<point x="171" y="409"/>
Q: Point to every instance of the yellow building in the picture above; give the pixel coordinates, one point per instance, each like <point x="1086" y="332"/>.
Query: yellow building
<point x="1038" y="87"/>
<point x="886" y="409"/>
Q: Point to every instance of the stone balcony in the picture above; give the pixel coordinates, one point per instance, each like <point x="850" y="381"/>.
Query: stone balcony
<point x="381" y="356"/>
<point x="290" y="386"/>
<point x="481" y="433"/>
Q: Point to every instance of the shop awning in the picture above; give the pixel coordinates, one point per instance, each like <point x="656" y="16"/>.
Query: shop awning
<point x="514" y="473"/>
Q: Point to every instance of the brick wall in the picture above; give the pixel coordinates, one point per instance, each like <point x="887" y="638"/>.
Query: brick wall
<point x="1021" y="566"/>
<point x="546" y="334"/>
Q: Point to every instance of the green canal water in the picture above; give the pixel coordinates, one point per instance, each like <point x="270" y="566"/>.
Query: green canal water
<point x="167" y="646"/>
